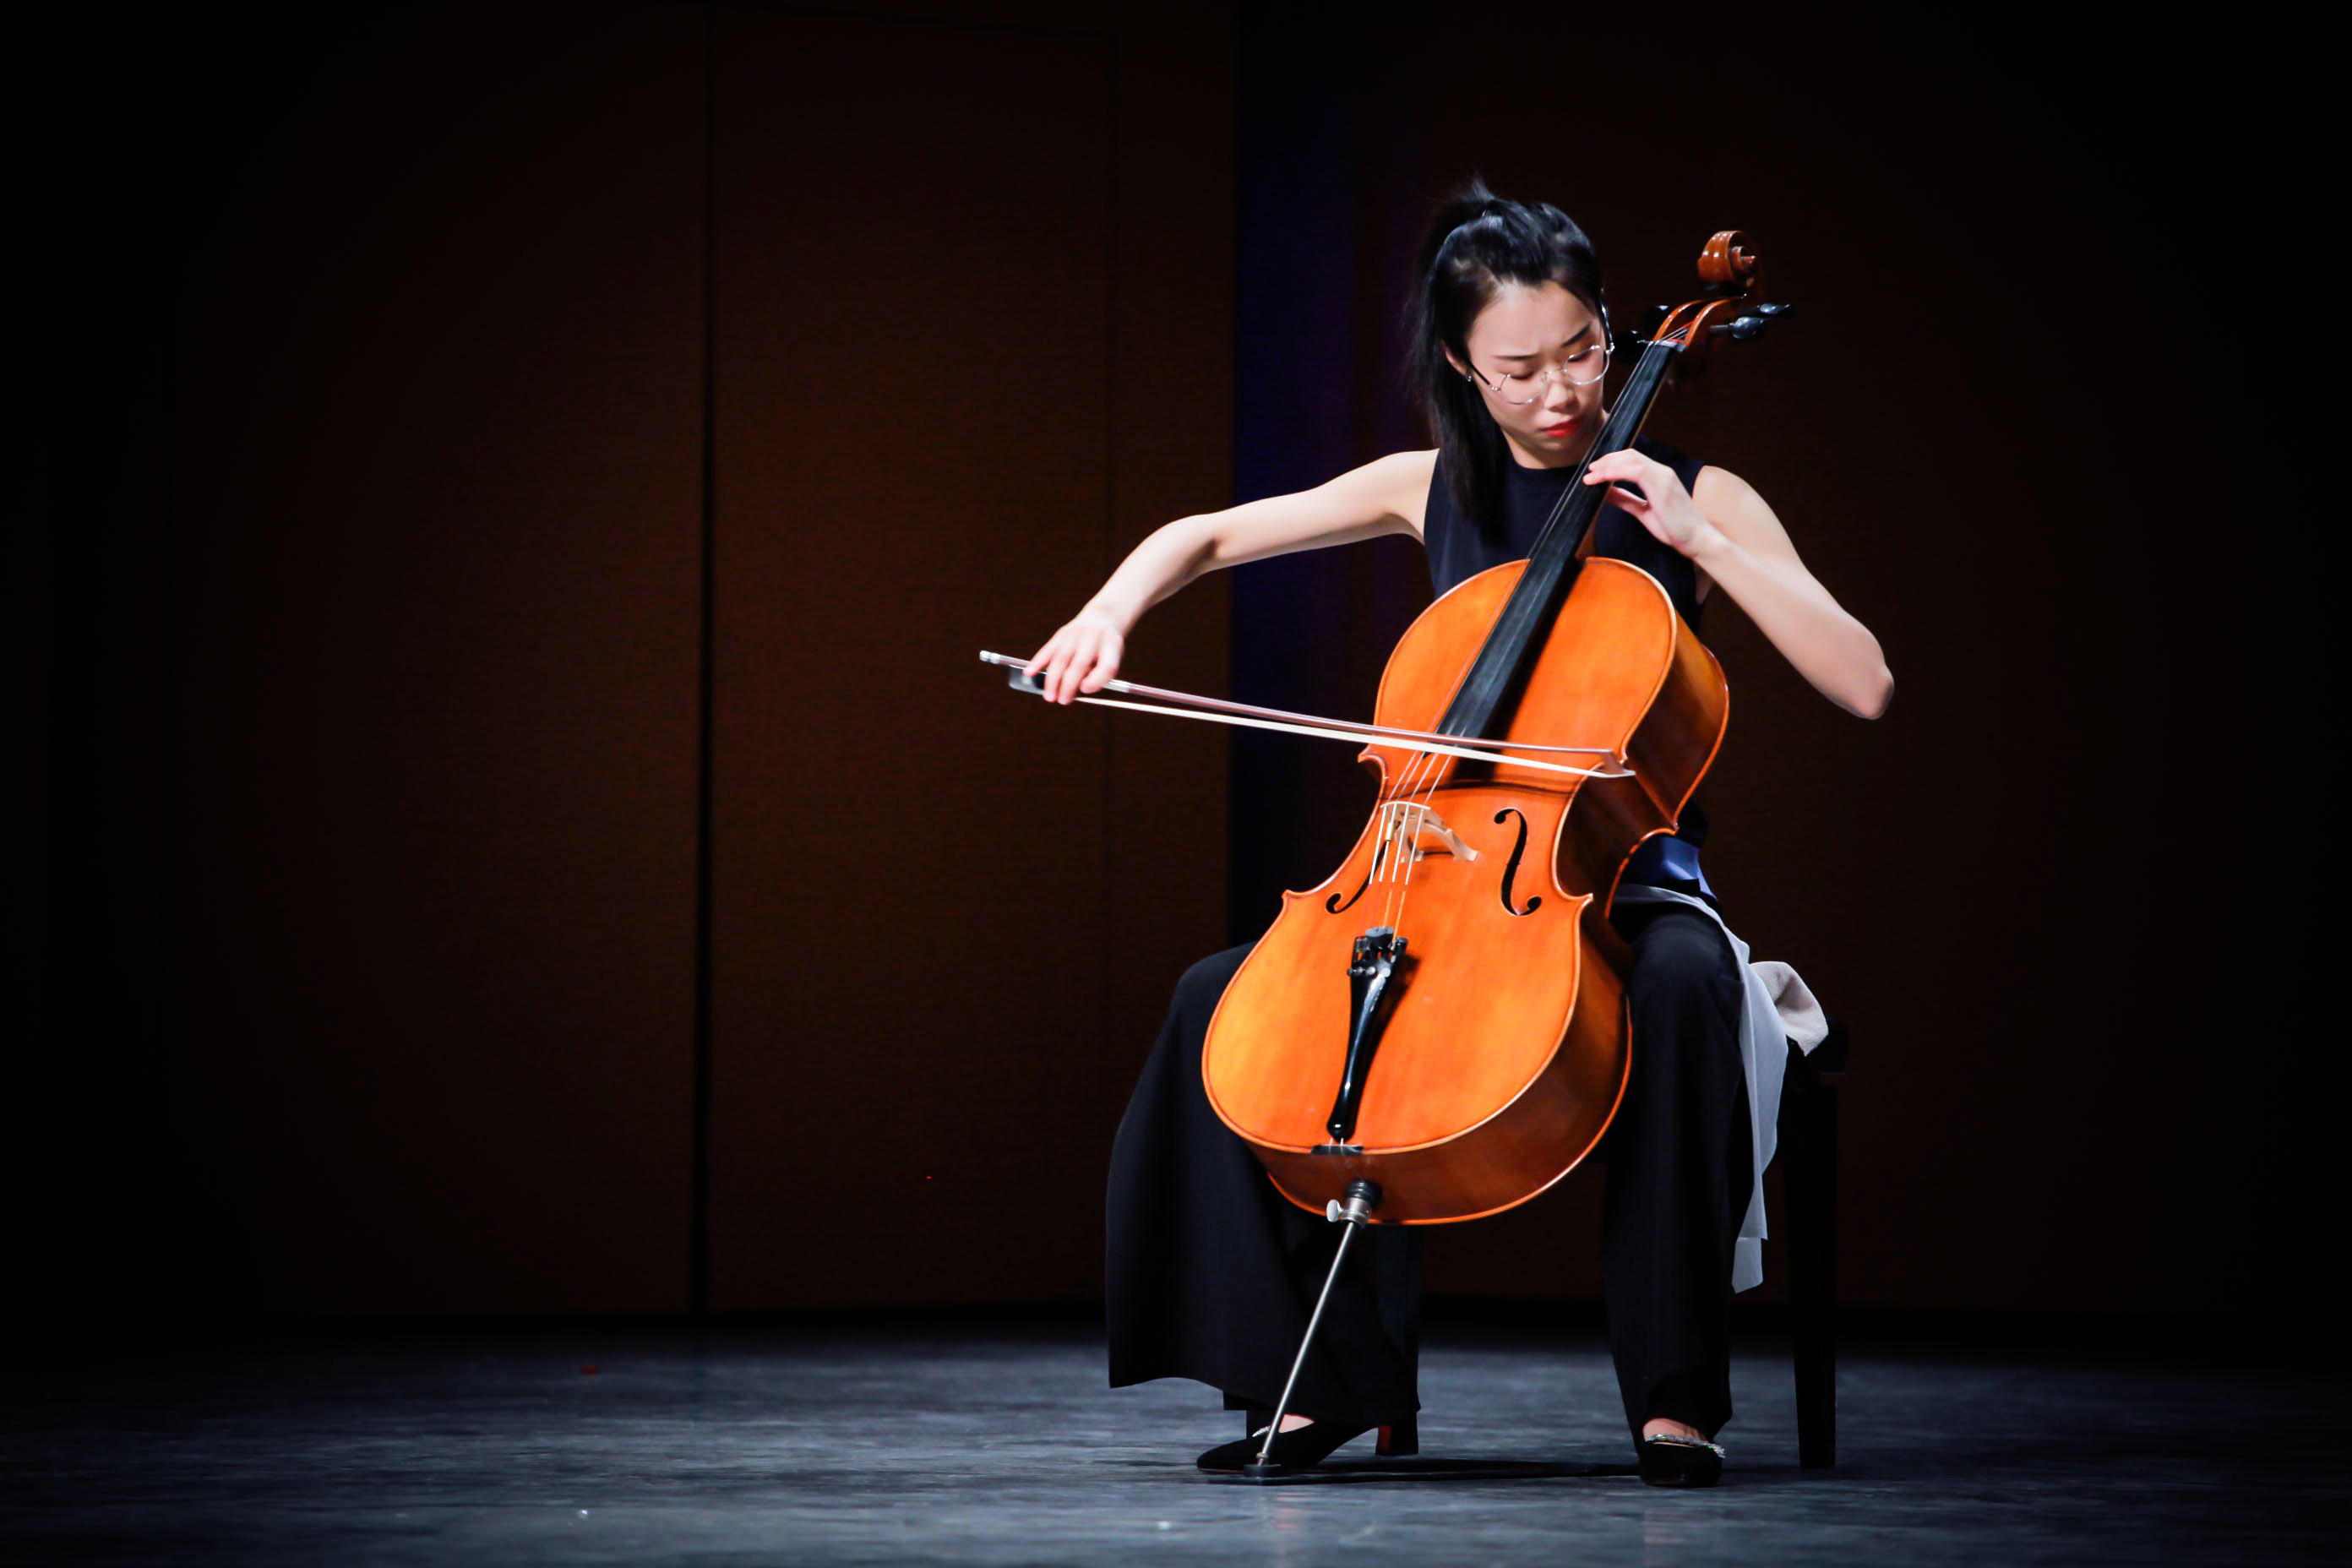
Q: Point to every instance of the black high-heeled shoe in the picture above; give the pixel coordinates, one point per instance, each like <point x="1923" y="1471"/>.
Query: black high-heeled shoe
<point x="1295" y="1449"/>
<point x="1669" y="1460"/>
<point x="1397" y="1440"/>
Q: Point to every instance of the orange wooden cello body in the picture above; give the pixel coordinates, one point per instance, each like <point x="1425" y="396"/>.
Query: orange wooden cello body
<point x="1444" y="1017"/>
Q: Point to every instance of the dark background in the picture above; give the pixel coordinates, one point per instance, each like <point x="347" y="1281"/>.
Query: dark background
<point x="522" y="829"/>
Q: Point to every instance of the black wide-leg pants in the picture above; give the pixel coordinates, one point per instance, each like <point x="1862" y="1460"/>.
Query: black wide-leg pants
<point x="1211" y="1273"/>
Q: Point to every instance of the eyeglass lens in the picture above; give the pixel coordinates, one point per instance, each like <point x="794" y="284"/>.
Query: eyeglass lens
<point x="1581" y="370"/>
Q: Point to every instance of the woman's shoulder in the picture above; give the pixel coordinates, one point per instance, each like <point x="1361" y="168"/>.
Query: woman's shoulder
<point x="1686" y="467"/>
<point x="1401" y="480"/>
<point x="1717" y="489"/>
<point x="1405" y="468"/>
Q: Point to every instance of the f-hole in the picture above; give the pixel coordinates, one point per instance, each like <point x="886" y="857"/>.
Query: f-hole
<point x="1512" y="869"/>
<point x="1334" y="905"/>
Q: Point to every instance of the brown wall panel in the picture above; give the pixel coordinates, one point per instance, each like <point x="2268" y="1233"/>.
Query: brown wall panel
<point x="941" y="273"/>
<point x="1172" y="443"/>
<point x="406" y="1023"/>
<point x="431" y="885"/>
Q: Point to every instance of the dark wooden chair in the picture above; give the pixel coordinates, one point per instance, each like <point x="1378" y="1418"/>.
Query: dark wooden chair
<point x="1807" y="1159"/>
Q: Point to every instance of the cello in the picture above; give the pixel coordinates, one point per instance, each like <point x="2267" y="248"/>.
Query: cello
<point x="1437" y="1031"/>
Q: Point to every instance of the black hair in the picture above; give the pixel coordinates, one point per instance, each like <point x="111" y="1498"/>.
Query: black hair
<point x="1476" y="243"/>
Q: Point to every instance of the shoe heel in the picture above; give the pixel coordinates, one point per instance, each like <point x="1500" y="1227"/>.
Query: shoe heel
<point x="1401" y="1439"/>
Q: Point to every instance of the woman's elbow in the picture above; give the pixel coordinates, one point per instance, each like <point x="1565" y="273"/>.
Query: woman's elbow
<point x="1869" y="698"/>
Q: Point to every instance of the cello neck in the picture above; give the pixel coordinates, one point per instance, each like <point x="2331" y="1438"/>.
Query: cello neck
<point x="1488" y="693"/>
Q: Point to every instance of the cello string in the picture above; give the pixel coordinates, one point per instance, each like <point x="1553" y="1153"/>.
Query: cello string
<point x="1387" y="819"/>
<point x="1390" y="821"/>
<point x="1425" y="783"/>
<point x="1418" y="788"/>
<point x="1427" y="766"/>
<point x="1405" y="890"/>
<point x="1434" y="779"/>
<point x="1652" y="365"/>
<point x="1421" y="786"/>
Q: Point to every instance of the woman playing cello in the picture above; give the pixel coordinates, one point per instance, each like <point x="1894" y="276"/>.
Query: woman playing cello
<point x="1210" y="1267"/>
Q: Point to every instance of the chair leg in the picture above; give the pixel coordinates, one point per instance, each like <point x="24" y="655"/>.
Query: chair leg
<point x="1809" y="1130"/>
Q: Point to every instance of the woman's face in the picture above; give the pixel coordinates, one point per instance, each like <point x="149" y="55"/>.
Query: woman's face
<point x="1538" y="344"/>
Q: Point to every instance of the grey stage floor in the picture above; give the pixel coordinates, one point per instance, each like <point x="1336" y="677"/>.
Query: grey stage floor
<point x="997" y="1444"/>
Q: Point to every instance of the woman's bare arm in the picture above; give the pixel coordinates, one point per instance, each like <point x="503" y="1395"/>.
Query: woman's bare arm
<point x="1737" y="543"/>
<point x="1751" y="559"/>
<point x="1386" y="496"/>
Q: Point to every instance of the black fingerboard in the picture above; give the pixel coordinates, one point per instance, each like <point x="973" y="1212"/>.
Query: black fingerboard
<point x="1490" y="692"/>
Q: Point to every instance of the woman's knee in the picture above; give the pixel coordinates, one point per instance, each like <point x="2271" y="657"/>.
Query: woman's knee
<point x="1679" y="960"/>
<point x="1205" y="982"/>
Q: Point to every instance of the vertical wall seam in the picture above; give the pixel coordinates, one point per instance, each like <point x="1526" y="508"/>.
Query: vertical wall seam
<point x="1115" y="41"/>
<point x="698" y="1289"/>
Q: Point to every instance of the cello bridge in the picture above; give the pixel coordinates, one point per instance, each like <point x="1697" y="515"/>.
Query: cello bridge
<point x="1414" y="822"/>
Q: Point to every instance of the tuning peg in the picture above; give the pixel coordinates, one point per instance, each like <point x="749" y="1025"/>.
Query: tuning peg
<point x="1744" y="328"/>
<point x="1773" y="310"/>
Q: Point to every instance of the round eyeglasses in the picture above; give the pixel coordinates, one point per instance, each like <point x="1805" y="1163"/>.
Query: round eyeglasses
<point x="1582" y="368"/>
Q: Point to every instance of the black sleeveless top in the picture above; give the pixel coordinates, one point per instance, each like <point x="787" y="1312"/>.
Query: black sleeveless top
<point x="1459" y="548"/>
